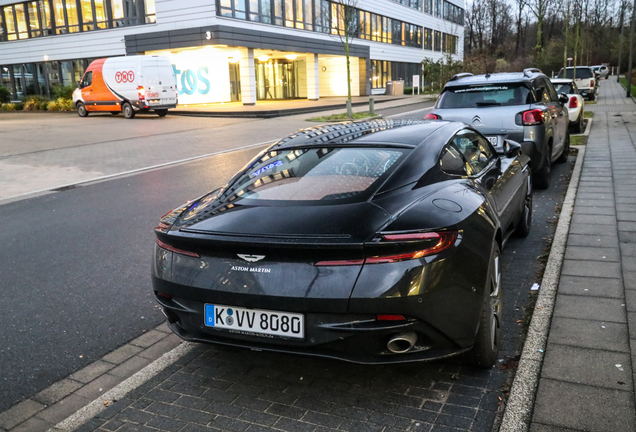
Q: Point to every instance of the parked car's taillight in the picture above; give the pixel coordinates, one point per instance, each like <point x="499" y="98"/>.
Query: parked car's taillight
<point x="431" y="116"/>
<point x="592" y="83"/>
<point x="574" y="102"/>
<point x="141" y="92"/>
<point x="533" y="117"/>
<point x="431" y="243"/>
<point x="170" y="248"/>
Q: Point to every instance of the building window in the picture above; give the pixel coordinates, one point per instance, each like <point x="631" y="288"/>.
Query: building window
<point x="438" y="8"/>
<point x="33" y="19"/>
<point x="449" y="44"/>
<point x="324" y="17"/>
<point x="453" y="13"/>
<point x="381" y="73"/>
<point x="428" y="6"/>
<point x="428" y="39"/>
<point x="437" y="41"/>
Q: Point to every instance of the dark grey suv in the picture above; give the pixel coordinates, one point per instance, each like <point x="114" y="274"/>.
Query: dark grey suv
<point x="519" y="106"/>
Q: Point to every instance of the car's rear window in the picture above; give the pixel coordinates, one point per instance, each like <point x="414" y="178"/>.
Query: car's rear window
<point x="474" y="96"/>
<point x="581" y="73"/>
<point x="563" y="88"/>
<point x="313" y="174"/>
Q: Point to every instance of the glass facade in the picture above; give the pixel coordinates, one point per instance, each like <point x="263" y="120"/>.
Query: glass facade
<point x="325" y="17"/>
<point x="25" y="20"/>
<point x="383" y="71"/>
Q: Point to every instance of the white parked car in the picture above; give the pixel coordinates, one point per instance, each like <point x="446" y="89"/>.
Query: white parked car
<point x="601" y="70"/>
<point x="575" y="105"/>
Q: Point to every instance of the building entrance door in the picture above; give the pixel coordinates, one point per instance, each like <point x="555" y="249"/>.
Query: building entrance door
<point x="276" y="79"/>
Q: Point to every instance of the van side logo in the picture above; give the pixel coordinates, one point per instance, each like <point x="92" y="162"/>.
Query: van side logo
<point x="124" y="77"/>
<point x="251" y="258"/>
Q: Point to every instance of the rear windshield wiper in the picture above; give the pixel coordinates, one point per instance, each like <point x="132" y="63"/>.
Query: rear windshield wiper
<point x="487" y="103"/>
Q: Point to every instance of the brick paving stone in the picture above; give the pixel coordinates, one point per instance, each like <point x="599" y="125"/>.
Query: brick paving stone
<point x="57" y="391"/>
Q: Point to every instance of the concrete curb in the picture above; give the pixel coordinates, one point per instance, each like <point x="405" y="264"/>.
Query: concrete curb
<point x="101" y="403"/>
<point x="519" y="407"/>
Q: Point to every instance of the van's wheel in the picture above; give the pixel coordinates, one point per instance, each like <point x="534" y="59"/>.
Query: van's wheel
<point x="161" y="112"/>
<point x="542" y="177"/>
<point x="81" y="110"/>
<point x="486" y="348"/>
<point x="128" y="111"/>
<point x="523" y="229"/>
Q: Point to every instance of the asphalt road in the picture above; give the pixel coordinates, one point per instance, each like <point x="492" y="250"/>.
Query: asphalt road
<point x="74" y="269"/>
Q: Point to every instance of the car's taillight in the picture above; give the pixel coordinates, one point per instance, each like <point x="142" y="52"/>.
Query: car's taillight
<point x="166" y="246"/>
<point x="533" y="117"/>
<point x="437" y="242"/>
<point x="574" y="102"/>
<point x="431" y="116"/>
<point x="592" y="83"/>
<point x="390" y="318"/>
<point x="141" y="92"/>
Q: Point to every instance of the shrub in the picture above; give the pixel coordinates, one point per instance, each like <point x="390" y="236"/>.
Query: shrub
<point x="35" y="103"/>
<point x="65" y="92"/>
<point x="7" y="107"/>
<point x="5" y="94"/>
<point x="60" y="104"/>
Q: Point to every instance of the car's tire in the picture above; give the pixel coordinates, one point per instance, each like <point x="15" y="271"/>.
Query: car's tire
<point x="525" y="221"/>
<point x="115" y="112"/>
<point x="542" y="176"/>
<point x="563" y="157"/>
<point x="161" y="112"/>
<point x="592" y="97"/>
<point x="81" y="110"/>
<point x="128" y="110"/>
<point x="485" y="350"/>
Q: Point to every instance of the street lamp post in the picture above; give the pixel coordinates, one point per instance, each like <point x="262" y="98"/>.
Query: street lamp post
<point x="631" y="46"/>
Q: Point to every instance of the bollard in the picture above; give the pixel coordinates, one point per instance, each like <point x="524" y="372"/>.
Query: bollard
<point x="371" y="106"/>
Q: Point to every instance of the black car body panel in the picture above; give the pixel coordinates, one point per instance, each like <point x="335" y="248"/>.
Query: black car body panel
<point x="338" y="258"/>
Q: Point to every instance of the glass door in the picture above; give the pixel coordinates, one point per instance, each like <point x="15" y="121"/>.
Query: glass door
<point x="276" y="79"/>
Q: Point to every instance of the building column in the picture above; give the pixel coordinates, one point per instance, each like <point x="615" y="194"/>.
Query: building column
<point x="313" y="83"/>
<point x="248" y="76"/>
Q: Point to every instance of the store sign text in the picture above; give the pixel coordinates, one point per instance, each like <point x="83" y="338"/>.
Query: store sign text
<point x="191" y="81"/>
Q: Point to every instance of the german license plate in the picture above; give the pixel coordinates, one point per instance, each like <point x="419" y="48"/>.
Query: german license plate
<point x="260" y="322"/>
<point x="493" y="140"/>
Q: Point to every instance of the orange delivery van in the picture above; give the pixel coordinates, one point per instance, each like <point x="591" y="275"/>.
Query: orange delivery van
<point x="130" y="85"/>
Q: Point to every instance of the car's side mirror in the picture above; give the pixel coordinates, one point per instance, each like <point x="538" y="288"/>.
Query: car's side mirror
<point x="563" y="98"/>
<point x="511" y="149"/>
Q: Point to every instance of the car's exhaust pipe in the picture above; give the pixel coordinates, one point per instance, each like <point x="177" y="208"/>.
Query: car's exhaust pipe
<point x="402" y="342"/>
<point x="170" y="316"/>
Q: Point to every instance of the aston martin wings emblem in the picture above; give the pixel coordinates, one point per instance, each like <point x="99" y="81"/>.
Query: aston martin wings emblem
<point x="251" y="258"/>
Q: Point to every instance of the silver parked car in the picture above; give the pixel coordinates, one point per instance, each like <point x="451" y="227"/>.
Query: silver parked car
<point x="601" y="70"/>
<point x="519" y="106"/>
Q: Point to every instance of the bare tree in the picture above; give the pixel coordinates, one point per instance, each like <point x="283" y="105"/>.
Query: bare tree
<point x="345" y="22"/>
<point x="539" y="8"/>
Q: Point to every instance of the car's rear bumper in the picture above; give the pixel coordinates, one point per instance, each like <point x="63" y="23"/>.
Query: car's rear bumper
<point x="355" y="337"/>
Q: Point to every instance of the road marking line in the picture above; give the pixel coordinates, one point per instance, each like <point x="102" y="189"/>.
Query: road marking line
<point x="122" y="389"/>
<point x="123" y="173"/>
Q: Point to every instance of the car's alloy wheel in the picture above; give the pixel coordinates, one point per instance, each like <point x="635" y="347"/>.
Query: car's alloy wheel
<point x="526" y="217"/>
<point x="81" y="110"/>
<point x="542" y="177"/>
<point x="563" y="157"/>
<point x="486" y="347"/>
<point x="496" y="306"/>
<point x="128" y="111"/>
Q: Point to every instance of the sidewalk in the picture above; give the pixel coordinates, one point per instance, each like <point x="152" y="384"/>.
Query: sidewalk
<point x="586" y="378"/>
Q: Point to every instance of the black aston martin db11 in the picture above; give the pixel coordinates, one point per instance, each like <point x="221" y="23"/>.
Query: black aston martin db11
<point x="373" y="242"/>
